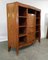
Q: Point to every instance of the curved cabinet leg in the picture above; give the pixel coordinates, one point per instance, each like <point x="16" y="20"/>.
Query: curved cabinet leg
<point x="39" y="40"/>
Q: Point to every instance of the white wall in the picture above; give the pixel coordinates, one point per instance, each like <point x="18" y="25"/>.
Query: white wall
<point x="43" y="5"/>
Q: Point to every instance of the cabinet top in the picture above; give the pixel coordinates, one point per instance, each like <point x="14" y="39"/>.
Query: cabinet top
<point x="24" y="5"/>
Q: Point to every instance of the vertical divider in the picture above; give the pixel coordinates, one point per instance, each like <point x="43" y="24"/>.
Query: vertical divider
<point x="26" y="23"/>
<point x="17" y="28"/>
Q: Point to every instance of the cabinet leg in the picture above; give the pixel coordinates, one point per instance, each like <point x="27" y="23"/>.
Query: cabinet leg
<point x="17" y="51"/>
<point x="47" y="34"/>
<point x="9" y="48"/>
<point x="39" y="40"/>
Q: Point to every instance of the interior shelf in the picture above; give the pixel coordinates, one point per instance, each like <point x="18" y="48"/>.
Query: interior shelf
<point x="21" y="35"/>
<point x="22" y="16"/>
<point x="23" y="42"/>
<point x="23" y="26"/>
<point x="22" y="11"/>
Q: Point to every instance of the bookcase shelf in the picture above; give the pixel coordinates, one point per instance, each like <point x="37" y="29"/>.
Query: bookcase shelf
<point x="23" y="25"/>
<point x="22" y="16"/>
<point x="21" y="35"/>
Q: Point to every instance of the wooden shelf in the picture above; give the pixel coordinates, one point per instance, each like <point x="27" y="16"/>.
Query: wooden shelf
<point x="20" y="35"/>
<point x="22" y="26"/>
<point x="24" y="44"/>
<point x="22" y="17"/>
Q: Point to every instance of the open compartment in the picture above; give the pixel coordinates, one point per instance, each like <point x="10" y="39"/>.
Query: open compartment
<point x="22" y="40"/>
<point x="22" y="21"/>
<point x="31" y="11"/>
<point x="22" y="11"/>
<point x="37" y="34"/>
<point x="38" y="28"/>
<point x="37" y="21"/>
<point x="37" y="13"/>
<point x="22" y="30"/>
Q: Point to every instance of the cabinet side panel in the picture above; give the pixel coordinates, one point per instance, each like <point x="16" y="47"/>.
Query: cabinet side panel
<point x="11" y="21"/>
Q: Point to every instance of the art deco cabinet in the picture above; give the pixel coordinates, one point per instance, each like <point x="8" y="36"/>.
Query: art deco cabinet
<point x="23" y="23"/>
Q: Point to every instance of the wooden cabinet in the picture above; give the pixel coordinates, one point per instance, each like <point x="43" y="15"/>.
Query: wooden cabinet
<point x="23" y="25"/>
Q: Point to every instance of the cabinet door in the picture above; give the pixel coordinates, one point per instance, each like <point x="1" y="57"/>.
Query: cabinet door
<point x="31" y="23"/>
<point x="31" y="28"/>
<point x="31" y="20"/>
<point x="31" y="37"/>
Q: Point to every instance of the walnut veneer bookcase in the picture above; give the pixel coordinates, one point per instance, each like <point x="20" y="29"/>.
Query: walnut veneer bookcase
<point x="23" y="25"/>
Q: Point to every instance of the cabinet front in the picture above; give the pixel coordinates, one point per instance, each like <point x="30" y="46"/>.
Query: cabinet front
<point x="31" y="28"/>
